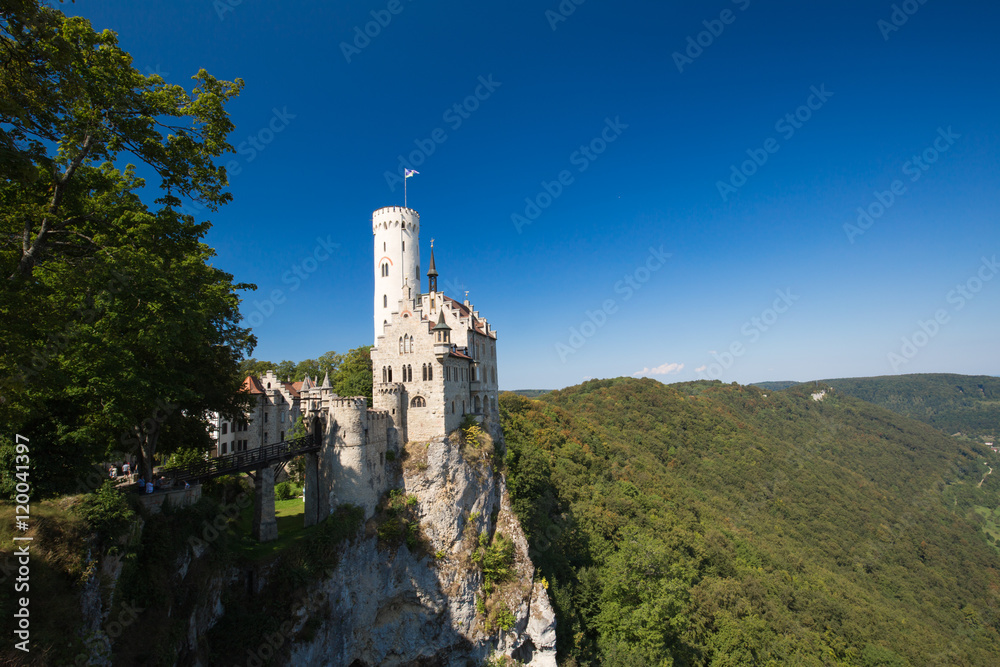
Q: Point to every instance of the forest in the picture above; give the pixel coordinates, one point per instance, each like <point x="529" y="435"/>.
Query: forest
<point x="709" y="524"/>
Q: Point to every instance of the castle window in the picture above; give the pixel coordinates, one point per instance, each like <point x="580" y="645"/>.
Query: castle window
<point x="265" y="417"/>
<point x="400" y="344"/>
<point x="390" y="373"/>
<point x="282" y="436"/>
<point x="383" y="246"/>
<point x="385" y="300"/>
<point x="453" y="407"/>
<point x="225" y="428"/>
<point x="418" y="402"/>
<point x="430" y="372"/>
<point x="385" y="269"/>
<point x="268" y="385"/>
<point x="411" y="344"/>
<point x="423" y="372"/>
<point x="404" y="245"/>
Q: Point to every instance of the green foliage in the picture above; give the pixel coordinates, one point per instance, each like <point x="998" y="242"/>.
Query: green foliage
<point x="354" y="376"/>
<point x="397" y="522"/>
<point x="107" y="512"/>
<point x="285" y="491"/>
<point x="117" y="328"/>
<point x="504" y="618"/>
<point x="704" y="524"/>
<point x="496" y="559"/>
<point x="183" y="457"/>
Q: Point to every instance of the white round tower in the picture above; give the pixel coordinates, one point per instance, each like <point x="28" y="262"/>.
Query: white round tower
<point x="397" y="261"/>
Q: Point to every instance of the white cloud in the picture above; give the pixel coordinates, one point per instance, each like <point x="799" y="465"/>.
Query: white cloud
<point x="701" y="368"/>
<point x="663" y="369"/>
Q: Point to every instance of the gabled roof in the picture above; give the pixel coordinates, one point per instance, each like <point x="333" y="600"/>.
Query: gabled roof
<point x="292" y="387"/>
<point x="253" y="385"/>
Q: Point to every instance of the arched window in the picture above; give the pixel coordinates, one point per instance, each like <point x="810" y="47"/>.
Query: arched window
<point x="385" y="269"/>
<point x="430" y="372"/>
<point x="418" y="402"/>
<point x="423" y="372"/>
<point x="400" y="344"/>
<point x="385" y="300"/>
<point x="390" y="373"/>
<point x="383" y="374"/>
<point x="411" y="344"/>
<point x="478" y="404"/>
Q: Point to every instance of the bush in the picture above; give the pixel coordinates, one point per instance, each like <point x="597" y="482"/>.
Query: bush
<point x="107" y="512"/>
<point x="286" y="491"/>
<point x="504" y="618"/>
<point x="497" y="559"/>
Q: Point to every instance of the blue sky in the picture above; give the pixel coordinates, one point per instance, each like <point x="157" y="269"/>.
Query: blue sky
<point x="699" y="228"/>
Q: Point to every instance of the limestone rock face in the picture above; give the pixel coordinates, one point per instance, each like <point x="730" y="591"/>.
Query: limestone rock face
<point x="388" y="607"/>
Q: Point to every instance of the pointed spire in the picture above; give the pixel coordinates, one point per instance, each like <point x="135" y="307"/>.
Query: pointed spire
<point x="306" y="383"/>
<point x="432" y="274"/>
<point x="441" y="324"/>
<point x="326" y="381"/>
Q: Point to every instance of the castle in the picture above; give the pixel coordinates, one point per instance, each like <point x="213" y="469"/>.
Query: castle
<point x="433" y="363"/>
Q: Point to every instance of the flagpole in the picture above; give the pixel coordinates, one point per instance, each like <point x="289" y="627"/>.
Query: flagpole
<point x="404" y="190"/>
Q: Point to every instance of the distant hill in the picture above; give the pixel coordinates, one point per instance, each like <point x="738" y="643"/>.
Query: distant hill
<point x="704" y="524"/>
<point x="776" y="385"/>
<point x="530" y="393"/>
<point x="967" y="404"/>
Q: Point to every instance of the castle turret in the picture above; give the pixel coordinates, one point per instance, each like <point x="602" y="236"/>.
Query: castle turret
<point x="397" y="261"/>
<point x="442" y="337"/>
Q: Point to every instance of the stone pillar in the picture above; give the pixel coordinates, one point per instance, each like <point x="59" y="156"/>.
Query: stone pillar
<point x="311" y="490"/>
<point x="265" y="525"/>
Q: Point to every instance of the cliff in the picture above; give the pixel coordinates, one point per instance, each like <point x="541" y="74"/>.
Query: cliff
<point x="388" y="604"/>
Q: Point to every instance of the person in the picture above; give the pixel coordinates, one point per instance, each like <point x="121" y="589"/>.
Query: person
<point x="187" y="485"/>
<point x="142" y="483"/>
<point x="125" y="469"/>
<point x="149" y="487"/>
<point x="112" y="472"/>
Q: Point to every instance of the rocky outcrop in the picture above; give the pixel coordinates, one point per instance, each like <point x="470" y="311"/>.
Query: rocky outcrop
<point x="384" y="606"/>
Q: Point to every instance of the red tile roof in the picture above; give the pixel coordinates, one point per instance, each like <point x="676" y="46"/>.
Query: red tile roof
<point x="252" y="385"/>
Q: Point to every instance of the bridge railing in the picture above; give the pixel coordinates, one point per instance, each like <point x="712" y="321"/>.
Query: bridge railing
<point x="251" y="459"/>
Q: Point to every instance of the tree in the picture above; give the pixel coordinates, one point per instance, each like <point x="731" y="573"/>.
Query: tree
<point x="113" y="321"/>
<point x="354" y="377"/>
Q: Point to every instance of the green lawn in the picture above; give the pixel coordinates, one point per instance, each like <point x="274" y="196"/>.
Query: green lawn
<point x="289" y="514"/>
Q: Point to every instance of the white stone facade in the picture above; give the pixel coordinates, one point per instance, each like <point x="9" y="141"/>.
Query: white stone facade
<point x="434" y="362"/>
